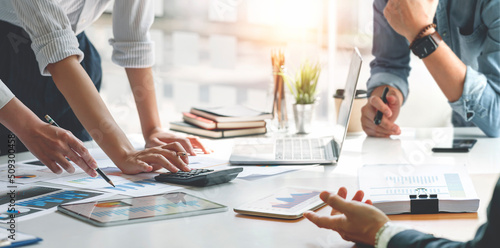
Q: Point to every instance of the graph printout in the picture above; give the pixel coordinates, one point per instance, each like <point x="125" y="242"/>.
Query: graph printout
<point x="35" y="171"/>
<point x="32" y="201"/>
<point x="397" y="182"/>
<point x="132" y="185"/>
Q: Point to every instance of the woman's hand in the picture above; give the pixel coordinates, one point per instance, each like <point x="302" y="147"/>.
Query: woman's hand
<point x="52" y="145"/>
<point x="172" y="157"/>
<point x="159" y="137"/>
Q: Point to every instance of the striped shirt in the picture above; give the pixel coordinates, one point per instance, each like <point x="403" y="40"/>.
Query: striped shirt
<point x="5" y="94"/>
<point x="53" y="24"/>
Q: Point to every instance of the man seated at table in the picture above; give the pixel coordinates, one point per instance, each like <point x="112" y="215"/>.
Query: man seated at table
<point x="363" y="223"/>
<point x="459" y="43"/>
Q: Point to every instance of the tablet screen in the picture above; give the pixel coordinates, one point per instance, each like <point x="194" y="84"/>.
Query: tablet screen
<point x="137" y="209"/>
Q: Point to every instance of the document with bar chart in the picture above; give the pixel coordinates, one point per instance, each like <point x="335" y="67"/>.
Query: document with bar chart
<point x="390" y="186"/>
<point x="132" y="185"/>
<point x="33" y="201"/>
<point x="286" y="203"/>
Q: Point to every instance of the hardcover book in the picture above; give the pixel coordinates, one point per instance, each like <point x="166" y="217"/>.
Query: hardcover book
<point x="211" y="125"/>
<point x="192" y="129"/>
<point x="235" y="113"/>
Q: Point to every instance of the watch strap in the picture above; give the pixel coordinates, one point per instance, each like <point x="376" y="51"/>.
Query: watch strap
<point x="426" y="45"/>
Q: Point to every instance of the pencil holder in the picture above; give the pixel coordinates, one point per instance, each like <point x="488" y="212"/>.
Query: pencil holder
<point x="280" y="117"/>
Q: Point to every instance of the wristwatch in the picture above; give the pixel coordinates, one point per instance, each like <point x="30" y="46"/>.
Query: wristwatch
<point x="426" y="45"/>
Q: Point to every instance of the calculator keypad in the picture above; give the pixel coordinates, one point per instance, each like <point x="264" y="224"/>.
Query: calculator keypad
<point x="186" y="174"/>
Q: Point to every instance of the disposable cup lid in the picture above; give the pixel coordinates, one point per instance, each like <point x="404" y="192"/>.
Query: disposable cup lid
<point x="359" y="94"/>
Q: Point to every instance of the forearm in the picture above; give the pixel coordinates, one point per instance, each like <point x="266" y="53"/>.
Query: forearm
<point x="142" y="85"/>
<point x="447" y="70"/>
<point x="76" y="86"/>
<point x="17" y="117"/>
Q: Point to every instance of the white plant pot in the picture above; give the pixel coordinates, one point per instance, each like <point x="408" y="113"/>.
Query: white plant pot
<point x="303" y="115"/>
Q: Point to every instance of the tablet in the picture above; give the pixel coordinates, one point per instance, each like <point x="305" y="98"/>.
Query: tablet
<point x="141" y="209"/>
<point x="287" y="203"/>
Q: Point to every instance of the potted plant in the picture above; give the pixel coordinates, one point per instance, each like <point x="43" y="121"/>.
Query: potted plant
<point x="303" y="88"/>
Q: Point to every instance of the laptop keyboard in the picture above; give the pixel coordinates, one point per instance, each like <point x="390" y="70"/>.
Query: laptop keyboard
<point x="299" y="149"/>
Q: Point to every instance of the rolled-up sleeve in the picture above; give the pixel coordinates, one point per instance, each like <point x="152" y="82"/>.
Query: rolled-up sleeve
<point x="480" y="100"/>
<point x="132" y="44"/>
<point x="50" y="31"/>
<point x="5" y="94"/>
<point x="392" y="55"/>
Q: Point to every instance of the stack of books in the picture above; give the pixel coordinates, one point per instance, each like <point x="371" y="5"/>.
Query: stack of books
<point x="222" y="122"/>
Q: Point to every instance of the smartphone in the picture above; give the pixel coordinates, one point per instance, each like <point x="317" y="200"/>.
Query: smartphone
<point x="459" y="145"/>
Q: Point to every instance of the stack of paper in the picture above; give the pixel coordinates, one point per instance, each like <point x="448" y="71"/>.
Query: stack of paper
<point x="389" y="186"/>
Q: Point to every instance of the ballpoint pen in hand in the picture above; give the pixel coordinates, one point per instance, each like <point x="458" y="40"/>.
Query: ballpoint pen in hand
<point x="378" y="116"/>
<point x="52" y="122"/>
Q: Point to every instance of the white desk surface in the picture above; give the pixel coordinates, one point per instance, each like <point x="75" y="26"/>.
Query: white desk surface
<point x="228" y="229"/>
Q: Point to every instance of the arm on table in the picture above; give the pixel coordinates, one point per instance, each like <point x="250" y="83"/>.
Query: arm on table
<point x="472" y="93"/>
<point x="142" y="84"/>
<point x="48" y="143"/>
<point x="82" y="96"/>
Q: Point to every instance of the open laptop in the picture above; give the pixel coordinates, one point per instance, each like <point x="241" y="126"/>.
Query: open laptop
<point x="325" y="150"/>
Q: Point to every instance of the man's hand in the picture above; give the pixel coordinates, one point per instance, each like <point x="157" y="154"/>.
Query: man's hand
<point x="354" y="221"/>
<point x="390" y="111"/>
<point x="409" y="17"/>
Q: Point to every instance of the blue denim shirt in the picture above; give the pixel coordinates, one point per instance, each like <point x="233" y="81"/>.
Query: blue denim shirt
<point x="471" y="28"/>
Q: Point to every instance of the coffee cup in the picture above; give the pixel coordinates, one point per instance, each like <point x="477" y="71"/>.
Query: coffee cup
<point x="359" y="101"/>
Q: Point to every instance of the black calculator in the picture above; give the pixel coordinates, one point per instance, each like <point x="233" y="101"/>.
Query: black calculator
<point x="200" y="177"/>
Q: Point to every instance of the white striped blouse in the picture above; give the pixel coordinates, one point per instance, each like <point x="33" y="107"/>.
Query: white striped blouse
<point x="53" y="24"/>
<point x="5" y="94"/>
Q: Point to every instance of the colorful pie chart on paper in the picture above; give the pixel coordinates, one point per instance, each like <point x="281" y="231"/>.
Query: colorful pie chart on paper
<point x="25" y="176"/>
<point x="19" y="211"/>
<point x="111" y="204"/>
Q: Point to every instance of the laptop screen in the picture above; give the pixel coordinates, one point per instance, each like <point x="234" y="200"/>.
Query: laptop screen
<point x="349" y="93"/>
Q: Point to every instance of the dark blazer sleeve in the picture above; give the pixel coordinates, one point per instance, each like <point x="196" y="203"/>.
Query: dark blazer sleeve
<point x="488" y="235"/>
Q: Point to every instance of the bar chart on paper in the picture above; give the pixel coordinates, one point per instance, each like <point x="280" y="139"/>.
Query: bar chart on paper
<point x="447" y="184"/>
<point x="132" y="185"/>
<point x="389" y="186"/>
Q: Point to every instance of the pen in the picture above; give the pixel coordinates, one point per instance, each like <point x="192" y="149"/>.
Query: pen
<point x="52" y="122"/>
<point x="378" y="116"/>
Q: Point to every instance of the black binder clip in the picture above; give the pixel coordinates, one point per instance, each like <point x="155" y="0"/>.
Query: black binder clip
<point x="424" y="203"/>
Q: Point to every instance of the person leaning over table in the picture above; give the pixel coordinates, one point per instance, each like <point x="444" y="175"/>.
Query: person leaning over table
<point x="465" y="64"/>
<point x="48" y="143"/>
<point x="363" y="223"/>
<point x="51" y="66"/>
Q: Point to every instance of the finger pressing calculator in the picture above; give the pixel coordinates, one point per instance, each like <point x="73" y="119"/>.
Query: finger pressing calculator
<point x="199" y="177"/>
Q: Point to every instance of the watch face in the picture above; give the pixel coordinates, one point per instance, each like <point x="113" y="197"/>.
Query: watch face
<point x="424" y="47"/>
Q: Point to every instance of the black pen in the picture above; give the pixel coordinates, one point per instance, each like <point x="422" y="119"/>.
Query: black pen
<point x="378" y="116"/>
<point x="52" y="122"/>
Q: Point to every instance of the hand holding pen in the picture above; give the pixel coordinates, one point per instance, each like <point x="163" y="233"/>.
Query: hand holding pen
<point x="381" y="111"/>
<point x="89" y="169"/>
<point x="378" y="116"/>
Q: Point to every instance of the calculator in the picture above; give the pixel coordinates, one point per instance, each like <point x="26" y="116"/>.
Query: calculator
<point x="199" y="177"/>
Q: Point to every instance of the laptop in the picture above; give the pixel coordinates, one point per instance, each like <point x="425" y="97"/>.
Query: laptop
<point x="303" y="151"/>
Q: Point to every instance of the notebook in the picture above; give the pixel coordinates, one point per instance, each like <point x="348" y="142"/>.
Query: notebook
<point x="324" y="150"/>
